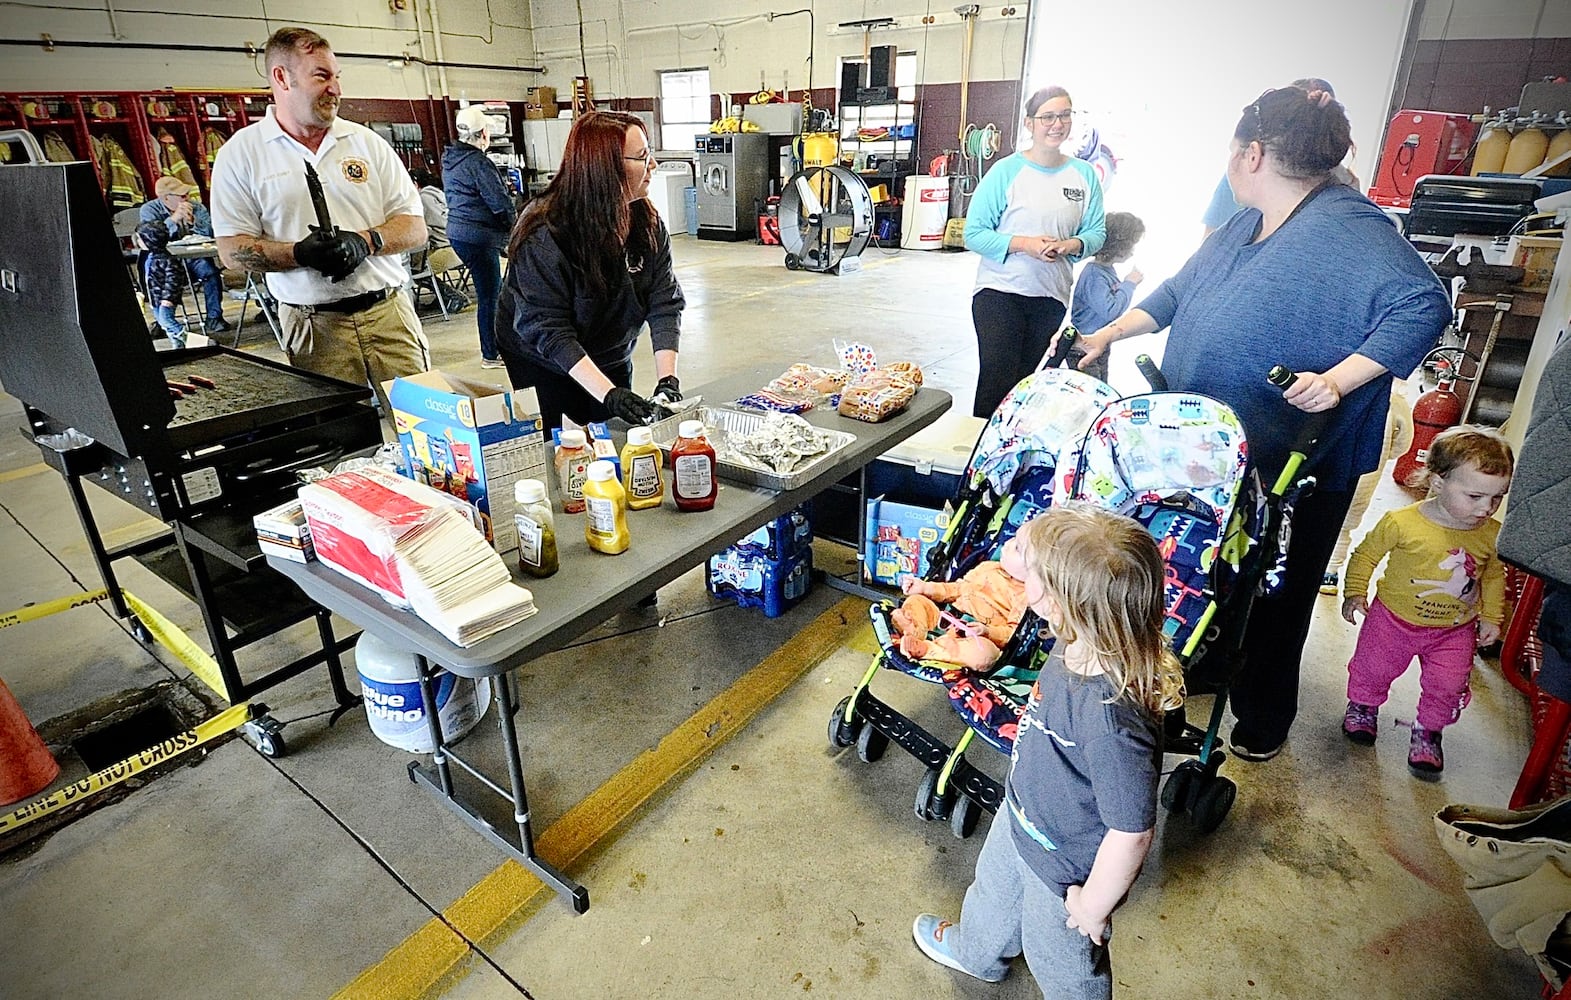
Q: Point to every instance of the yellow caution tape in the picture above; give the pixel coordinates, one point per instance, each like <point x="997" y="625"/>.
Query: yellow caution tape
<point x="168" y="634"/>
<point x="36" y="611"/>
<point x="226" y="721"/>
<point x="174" y="639"/>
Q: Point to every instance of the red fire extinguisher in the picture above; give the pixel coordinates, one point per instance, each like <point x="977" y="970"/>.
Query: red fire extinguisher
<point x="1436" y="410"/>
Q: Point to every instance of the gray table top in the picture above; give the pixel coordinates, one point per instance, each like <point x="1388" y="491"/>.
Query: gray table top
<point x="591" y="587"/>
<point x="193" y="251"/>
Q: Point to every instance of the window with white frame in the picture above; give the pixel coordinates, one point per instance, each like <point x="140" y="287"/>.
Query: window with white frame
<point x="684" y="107"/>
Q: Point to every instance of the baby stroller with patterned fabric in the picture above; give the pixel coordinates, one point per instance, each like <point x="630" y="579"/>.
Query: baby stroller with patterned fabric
<point x="1008" y="479"/>
<point x="1178" y="464"/>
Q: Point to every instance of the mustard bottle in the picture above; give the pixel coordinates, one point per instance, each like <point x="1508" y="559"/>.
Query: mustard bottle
<point x="605" y="523"/>
<point x="641" y="466"/>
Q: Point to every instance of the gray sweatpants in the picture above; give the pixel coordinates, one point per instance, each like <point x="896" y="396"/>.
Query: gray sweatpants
<point x="1009" y="910"/>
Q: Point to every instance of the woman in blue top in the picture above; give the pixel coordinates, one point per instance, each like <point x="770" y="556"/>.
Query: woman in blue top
<point x="479" y="219"/>
<point x="1033" y="216"/>
<point x="1313" y="276"/>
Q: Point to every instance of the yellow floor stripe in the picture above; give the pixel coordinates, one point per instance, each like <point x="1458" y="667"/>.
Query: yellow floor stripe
<point x="27" y="470"/>
<point x="434" y="957"/>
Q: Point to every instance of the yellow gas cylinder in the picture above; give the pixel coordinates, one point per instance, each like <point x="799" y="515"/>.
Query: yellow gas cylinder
<point x="1490" y="155"/>
<point x="1559" y="145"/>
<point x="1527" y="151"/>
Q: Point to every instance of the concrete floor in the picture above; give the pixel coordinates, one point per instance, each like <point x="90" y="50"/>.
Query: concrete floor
<point x="778" y="867"/>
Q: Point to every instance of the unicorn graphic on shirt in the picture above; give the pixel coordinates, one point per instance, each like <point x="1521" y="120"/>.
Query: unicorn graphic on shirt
<point x="1461" y="585"/>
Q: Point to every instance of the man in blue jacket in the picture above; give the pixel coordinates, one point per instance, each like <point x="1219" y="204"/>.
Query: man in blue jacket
<point x="172" y="206"/>
<point x="480" y="218"/>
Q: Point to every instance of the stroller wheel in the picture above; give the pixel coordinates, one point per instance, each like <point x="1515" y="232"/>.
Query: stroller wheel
<point x="870" y="743"/>
<point x="1212" y="803"/>
<point x="929" y="804"/>
<point x="1179" y="789"/>
<point x="963" y="816"/>
<point x="841" y="735"/>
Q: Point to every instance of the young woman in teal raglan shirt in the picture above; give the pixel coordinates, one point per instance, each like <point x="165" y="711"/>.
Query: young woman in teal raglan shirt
<point x="1033" y="216"/>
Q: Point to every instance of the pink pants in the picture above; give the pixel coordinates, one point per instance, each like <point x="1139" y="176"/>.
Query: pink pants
<point x="1386" y="647"/>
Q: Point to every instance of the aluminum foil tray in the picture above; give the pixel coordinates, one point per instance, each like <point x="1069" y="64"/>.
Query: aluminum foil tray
<point x="722" y="422"/>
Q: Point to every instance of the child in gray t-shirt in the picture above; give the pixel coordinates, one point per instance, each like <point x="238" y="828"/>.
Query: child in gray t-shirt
<point x="1080" y="799"/>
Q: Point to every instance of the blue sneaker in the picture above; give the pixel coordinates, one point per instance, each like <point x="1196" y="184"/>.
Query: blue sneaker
<point x="928" y="932"/>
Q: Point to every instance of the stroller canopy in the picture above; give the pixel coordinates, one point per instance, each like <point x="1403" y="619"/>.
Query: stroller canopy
<point x="1044" y="411"/>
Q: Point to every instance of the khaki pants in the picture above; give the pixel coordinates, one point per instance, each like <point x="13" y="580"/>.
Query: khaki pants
<point x="365" y="348"/>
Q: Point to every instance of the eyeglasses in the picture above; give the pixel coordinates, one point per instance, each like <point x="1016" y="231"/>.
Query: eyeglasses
<point x="647" y="156"/>
<point x="1048" y="118"/>
<point x="1260" y="125"/>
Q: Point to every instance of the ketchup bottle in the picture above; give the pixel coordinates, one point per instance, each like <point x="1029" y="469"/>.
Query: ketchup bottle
<point x="694" y="483"/>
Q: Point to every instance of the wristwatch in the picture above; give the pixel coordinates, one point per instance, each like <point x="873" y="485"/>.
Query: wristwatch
<point x="376" y="241"/>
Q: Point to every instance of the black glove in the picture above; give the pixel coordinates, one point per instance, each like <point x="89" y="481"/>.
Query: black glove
<point x="670" y="388"/>
<point x="629" y="405"/>
<point x="334" y="255"/>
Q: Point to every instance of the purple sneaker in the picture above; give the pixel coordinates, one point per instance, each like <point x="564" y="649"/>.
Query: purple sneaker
<point x="928" y="931"/>
<point x="1361" y="724"/>
<point x="1424" y="756"/>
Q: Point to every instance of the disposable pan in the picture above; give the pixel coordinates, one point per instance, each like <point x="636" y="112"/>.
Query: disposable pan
<point x="720" y="423"/>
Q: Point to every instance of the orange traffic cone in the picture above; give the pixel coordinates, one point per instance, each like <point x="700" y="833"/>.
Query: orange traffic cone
<point x="26" y="767"/>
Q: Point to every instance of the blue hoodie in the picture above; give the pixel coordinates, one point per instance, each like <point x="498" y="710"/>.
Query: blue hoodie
<point x="479" y="209"/>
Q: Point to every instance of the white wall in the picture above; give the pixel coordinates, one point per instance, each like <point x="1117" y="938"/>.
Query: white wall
<point x="627" y="42"/>
<point x="1495" y="19"/>
<point x="468" y="35"/>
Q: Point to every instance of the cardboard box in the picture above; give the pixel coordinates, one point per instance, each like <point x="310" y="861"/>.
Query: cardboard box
<point x="1537" y="255"/>
<point x="282" y="532"/>
<point x="471" y="439"/>
<point x="539" y="103"/>
<point x="898" y="538"/>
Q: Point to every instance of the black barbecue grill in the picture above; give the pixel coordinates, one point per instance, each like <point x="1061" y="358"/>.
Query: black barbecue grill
<point x="202" y="438"/>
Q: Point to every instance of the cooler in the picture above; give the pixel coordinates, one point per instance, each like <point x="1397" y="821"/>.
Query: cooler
<point x="925" y="471"/>
<point x="926" y="212"/>
<point x="667" y="190"/>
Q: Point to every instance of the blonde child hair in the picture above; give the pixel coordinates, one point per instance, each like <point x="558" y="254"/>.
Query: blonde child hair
<point x="1106" y="575"/>
<point x="1483" y="447"/>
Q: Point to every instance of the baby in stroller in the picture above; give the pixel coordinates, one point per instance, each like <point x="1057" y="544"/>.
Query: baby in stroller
<point x="991" y="595"/>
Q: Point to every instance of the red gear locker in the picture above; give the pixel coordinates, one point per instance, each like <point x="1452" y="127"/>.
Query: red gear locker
<point x="1419" y="143"/>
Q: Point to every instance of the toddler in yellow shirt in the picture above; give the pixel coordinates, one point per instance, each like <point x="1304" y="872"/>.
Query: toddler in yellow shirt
<point x="1443" y="592"/>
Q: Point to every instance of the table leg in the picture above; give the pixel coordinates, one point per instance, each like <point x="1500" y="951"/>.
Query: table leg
<point x="523" y="849"/>
<point x="434" y="724"/>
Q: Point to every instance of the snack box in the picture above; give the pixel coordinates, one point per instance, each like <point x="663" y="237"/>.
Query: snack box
<point x="898" y="538"/>
<point x="471" y="439"/>
<point x="282" y="532"/>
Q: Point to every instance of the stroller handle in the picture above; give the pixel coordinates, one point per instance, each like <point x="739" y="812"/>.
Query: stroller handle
<point x="1151" y="372"/>
<point x="1309" y="435"/>
<point x="1066" y="343"/>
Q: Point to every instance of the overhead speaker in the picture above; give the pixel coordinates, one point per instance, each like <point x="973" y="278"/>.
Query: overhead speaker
<point x="881" y="67"/>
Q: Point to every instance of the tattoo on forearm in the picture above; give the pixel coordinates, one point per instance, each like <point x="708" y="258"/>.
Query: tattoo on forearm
<point x="251" y="257"/>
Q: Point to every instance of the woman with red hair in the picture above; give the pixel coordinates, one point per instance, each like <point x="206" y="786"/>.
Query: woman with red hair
<point x="589" y="263"/>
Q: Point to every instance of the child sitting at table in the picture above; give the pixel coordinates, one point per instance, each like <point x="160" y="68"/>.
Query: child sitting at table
<point x="165" y="280"/>
<point x="991" y="594"/>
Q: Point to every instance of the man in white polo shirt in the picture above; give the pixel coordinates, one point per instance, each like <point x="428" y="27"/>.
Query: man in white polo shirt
<point x="342" y="311"/>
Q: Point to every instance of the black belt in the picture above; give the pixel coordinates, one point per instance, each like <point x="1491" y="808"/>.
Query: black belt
<point x="353" y="304"/>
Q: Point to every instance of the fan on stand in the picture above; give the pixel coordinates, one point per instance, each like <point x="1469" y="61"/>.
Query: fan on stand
<point x="826" y="218"/>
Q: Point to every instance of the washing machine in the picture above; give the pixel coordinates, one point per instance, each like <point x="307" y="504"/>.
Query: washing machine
<point x="733" y="181"/>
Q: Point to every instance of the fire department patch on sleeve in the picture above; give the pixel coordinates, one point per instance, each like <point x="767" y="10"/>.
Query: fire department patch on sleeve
<point x="356" y="171"/>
